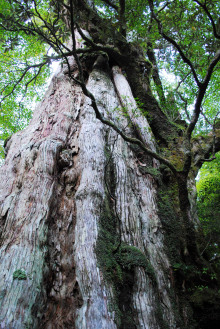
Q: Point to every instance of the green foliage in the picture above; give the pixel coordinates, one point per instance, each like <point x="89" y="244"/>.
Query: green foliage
<point x="28" y="29"/>
<point x="24" y="63"/>
<point x="19" y="275"/>
<point x="187" y="24"/>
<point x="208" y="200"/>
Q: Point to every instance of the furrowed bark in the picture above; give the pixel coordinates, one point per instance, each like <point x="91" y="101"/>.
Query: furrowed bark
<point x="51" y="202"/>
<point x="92" y="226"/>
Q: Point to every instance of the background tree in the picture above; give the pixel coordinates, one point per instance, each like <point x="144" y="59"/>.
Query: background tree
<point x="118" y="39"/>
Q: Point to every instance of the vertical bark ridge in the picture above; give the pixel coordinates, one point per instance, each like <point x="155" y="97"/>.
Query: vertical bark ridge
<point x="140" y="223"/>
<point x="136" y="203"/>
<point x="52" y="201"/>
<point x="95" y="312"/>
<point x="28" y="184"/>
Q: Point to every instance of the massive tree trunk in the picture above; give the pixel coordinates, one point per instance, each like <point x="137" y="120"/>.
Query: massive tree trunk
<point x="84" y="240"/>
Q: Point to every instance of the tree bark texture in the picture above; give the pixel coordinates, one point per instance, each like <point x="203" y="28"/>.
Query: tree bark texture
<point x="60" y="175"/>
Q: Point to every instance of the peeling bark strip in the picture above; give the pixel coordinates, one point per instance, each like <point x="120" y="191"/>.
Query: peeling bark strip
<point x="52" y="194"/>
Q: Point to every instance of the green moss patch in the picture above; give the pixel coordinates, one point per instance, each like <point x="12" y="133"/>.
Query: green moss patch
<point x="19" y="275"/>
<point x="118" y="261"/>
<point x="171" y="225"/>
<point x="115" y="257"/>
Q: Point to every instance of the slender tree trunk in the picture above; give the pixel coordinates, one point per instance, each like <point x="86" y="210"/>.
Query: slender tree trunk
<point x="82" y="243"/>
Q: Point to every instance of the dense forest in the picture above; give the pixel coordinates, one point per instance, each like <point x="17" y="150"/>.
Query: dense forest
<point x="109" y="177"/>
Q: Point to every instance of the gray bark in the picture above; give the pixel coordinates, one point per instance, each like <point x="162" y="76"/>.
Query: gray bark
<point x="53" y="188"/>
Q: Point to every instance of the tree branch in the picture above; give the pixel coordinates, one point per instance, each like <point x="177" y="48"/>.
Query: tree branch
<point x="122" y="20"/>
<point x="201" y="94"/>
<point x="39" y="66"/>
<point x="99" y="116"/>
<point x="204" y="7"/>
<point x="156" y="76"/>
<point x="174" y="43"/>
<point x="112" y="5"/>
<point x="203" y="147"/>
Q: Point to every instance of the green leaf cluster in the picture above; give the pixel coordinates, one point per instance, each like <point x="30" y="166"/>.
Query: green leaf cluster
<point x="208" y="201"/>
<point x="24" y="59"/>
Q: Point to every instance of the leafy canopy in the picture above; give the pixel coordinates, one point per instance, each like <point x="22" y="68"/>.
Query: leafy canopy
<point x="23" y="67"/>
<point x="179" y="37"/>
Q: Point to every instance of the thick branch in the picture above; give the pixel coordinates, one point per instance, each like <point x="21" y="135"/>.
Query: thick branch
<point x="122" y="19"/>
<point x="203" y="147"/>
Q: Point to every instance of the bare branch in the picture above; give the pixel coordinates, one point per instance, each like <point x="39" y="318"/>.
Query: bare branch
<point x="181" y="81"/>
<point x="165" y="5"/>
